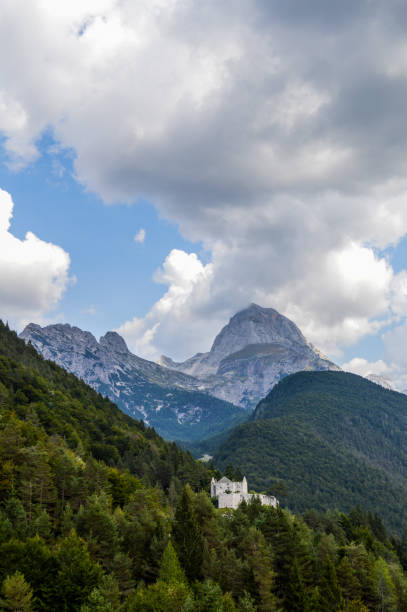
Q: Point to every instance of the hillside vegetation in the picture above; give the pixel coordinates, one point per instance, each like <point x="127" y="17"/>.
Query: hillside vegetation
<point x="96" y="516"/>
<point x="335" y="439"/>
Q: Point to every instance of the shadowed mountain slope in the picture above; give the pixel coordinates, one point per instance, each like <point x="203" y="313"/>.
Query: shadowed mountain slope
<point x="334" y="438"/>
<point x="171" y="402"/>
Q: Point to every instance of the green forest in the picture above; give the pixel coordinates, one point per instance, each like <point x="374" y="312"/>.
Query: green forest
<point x="98" y="513"/>
<point x="332" y="439"/>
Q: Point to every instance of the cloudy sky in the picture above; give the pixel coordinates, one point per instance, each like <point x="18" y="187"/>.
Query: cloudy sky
<point x="166" y="162"/>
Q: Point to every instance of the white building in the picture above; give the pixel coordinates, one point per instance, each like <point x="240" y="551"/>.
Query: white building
<point x="230" y="494"/>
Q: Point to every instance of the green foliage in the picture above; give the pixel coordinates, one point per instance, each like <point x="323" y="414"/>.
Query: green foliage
<point x="51" y="401"/>
<point x="17" y="594"/>
<point x="187" y="537"/>
<point x="126" y="533"/>
<point x="326" y="440"/>
<point x="170" y="570"/>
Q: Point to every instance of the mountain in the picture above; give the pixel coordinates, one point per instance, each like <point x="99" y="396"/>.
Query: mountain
<point x="197" y="398"/>
<point x="169" y="401"/>
<point x="51" y="403"/>
<point x="335" y="439"/>
<point x="383" y="381"/>
<point x="96" y="514"/>
<point x="256" y="349"/>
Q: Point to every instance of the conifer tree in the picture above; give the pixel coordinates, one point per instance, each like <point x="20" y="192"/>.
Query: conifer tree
<point x="385" y="590"/>
<point x="42" y="525"/>
<point x="109" y="589"/>
<point x="260" y="561"/>
<point x="331" y="594"/>
<point x="187" y="538"/>
<point x="402" y="549"/>
<point x="78" y="575"/>
<point x="17" y="516"/>
<point x="17" y="594"/>
<point x="171" y="570"/>
<point x="121" y="568"/>
<point x="348" y="580"/>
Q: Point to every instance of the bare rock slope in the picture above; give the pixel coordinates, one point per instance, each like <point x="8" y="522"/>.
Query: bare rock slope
<point x="256" y="349"/>
<point x="168" y="400"/>
<point x="200" y="397"/>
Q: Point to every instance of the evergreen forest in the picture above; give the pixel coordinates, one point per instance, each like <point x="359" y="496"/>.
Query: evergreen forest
<point x="326" y="440"/>
<point x="98" y="513"/>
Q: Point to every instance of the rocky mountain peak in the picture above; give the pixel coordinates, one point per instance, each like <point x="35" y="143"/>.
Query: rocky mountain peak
<point x="112" y="341"/>
<point x="61" y="334"/>
<point x="256" y="348"/>
<point x="172" y="402"/>
<point x="383" y="381"/>
<point x="255" y="325"/>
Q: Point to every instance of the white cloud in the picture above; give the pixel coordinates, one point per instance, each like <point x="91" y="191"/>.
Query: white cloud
<point x="177" y="320"/>
<point x="273" y="133"/>
<point x="140" y="236"/>
<point x="361" y="366"/>
<point x="33" y="273"/>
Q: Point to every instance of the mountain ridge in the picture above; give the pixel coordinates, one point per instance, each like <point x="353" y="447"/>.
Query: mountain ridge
<point x="170" y="401"/>
<point x="199" y="398"/>
<point x="336" y="439"/>
<point x="233" y="371"/>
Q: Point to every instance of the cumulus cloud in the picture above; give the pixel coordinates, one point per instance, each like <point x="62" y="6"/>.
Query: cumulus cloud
<point x="140" y="236"/>
<point x="176" y="322"/>
<point x="33" y="273"/>
<point x="363" y="367"/>
<point x="274" y="133"/>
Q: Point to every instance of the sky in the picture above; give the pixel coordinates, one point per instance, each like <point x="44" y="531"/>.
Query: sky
<point x="164" y="163"/>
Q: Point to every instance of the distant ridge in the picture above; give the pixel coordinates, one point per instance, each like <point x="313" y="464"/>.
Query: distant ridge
<point x="335" y="439"/>
<point x="257" y="348"/>
<point x="204" y="395"/>
<point x="169" y="401"/>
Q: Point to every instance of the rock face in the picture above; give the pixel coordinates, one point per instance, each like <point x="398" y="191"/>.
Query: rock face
<point x="257" y="348"/>
<point x="383" y="381"/>
<point x="170" y="401"/>
<point x="199" y="397"/>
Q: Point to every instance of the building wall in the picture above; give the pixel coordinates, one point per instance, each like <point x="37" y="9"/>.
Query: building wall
<point x="218" y="487"/>
<point x="238" y="493"/>
<point x="229" y="500"/>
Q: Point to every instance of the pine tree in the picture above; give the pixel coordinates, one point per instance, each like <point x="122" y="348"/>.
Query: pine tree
<point x="17" y="594"/>
<point x="42" y="525"/>
<point x="171" y="570"/>
<point x="187" y="538"/>
<point x="17" y="516"/>
<point x="260" y="561"/>
<point x="78" y="575"/>
<point x="385" y="590"/>
<point x="121" y="568"/>
<point x="402" y="550"/>
<point x="247" y="603"/>
<point x="331" y="594"/>
<point x="348" y="580"/>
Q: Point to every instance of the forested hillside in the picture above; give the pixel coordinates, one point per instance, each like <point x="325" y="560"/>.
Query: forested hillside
<point x="335" y="439"/>
<point x="96" y="515"/>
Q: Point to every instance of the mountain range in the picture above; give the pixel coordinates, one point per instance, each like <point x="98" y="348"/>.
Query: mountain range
<point x="98" y="512"/>
<point x="205" y="395"/>
<point x="257" y="348"/>
<point x="169" y="401"/>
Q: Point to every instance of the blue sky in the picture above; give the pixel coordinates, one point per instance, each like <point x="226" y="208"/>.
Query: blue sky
<point x="261" y="148"/>
<point x="113" y="274"/>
